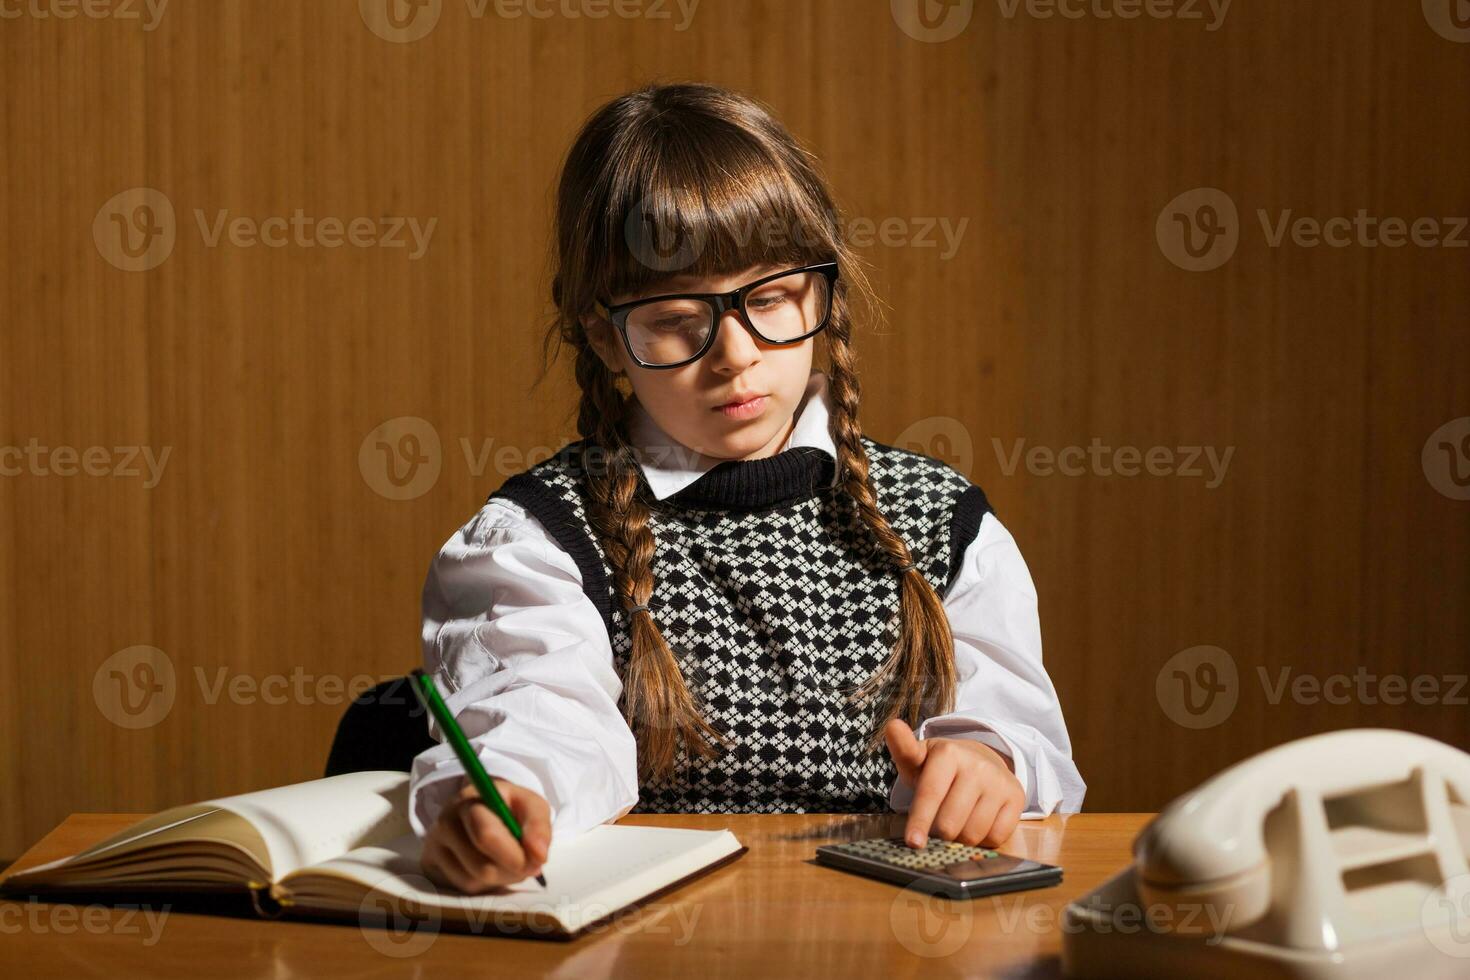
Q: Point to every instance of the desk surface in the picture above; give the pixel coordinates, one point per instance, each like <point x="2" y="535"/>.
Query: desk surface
<point x="774" y="912"/>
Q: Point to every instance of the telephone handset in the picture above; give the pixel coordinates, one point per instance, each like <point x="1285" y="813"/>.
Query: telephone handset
<point x="1339" y="855"/>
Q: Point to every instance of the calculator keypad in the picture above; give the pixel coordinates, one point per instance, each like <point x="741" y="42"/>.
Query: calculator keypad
<point x="937" y="853"/>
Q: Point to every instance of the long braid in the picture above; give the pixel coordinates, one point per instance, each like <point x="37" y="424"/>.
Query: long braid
<point x="922" y="662"/>
<point x="657" y="702"/>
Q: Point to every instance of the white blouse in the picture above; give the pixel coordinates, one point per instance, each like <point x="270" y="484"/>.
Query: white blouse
<point x="526" y="665"/>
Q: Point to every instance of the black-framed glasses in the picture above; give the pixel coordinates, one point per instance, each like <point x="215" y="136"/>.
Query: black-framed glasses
<point x="676" y="329"/>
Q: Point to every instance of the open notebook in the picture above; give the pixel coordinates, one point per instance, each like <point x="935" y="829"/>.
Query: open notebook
<point x="342" y="847"/>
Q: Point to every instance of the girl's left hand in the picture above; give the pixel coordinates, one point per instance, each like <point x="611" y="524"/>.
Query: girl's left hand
<point x="963" y="788"/>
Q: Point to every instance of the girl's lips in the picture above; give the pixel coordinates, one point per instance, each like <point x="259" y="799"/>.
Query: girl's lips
<point x="744" y="410"/>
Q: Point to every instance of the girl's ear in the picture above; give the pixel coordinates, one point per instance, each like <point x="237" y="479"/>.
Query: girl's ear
<point x="600" y="335"/>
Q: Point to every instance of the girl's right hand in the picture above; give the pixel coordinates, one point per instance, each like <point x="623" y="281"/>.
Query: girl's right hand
<point x="471" y="849"/>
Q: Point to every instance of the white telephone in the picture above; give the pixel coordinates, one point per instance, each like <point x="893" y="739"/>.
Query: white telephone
<point x="1336" y="856"/>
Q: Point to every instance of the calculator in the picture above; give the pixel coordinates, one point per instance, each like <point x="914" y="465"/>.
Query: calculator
<point x="941" y="867"/>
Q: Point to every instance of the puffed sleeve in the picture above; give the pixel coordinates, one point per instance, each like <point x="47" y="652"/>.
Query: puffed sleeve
<point x="1003" y="696"/>
<point x="524" y="660"/>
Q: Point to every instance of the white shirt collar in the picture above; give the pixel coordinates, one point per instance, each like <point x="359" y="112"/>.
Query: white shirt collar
<point x="669" y="466"/>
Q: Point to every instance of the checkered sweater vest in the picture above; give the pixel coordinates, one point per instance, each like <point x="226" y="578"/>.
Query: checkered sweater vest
<point x="770" y="592"/>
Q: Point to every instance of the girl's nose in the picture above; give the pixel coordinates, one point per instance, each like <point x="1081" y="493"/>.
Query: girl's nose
<point x="735" y="346"/>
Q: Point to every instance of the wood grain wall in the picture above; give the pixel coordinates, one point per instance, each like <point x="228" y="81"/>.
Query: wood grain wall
<point x="271" y="565"/>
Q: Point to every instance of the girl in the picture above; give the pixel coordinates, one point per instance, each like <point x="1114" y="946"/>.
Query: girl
<point x="724" y="597"/>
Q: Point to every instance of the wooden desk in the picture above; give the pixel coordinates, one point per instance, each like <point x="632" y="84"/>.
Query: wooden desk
<point x="774" y="912"/>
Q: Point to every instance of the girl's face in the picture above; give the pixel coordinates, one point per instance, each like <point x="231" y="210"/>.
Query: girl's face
<point x="685" y="401"/>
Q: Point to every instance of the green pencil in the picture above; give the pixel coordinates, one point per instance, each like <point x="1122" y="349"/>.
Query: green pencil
<point x="428" y="694"/>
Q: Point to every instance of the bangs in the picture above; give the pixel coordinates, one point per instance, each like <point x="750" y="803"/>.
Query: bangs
<point x="707" y="202"/>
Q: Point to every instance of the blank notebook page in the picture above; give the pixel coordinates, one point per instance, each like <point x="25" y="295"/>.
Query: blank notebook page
<point x="606" y="866"/>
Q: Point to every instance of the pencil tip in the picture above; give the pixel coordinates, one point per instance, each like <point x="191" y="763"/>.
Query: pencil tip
<point x="542" y="879"/>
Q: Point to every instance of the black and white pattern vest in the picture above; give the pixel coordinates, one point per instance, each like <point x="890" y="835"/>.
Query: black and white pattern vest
<point x="771" y="593"/>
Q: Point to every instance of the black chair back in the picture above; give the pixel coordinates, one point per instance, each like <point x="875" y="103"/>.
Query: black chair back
<point x="384" y="728"/>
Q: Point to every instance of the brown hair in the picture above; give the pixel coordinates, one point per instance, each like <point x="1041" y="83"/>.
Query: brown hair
<point x="704" y="167"/>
